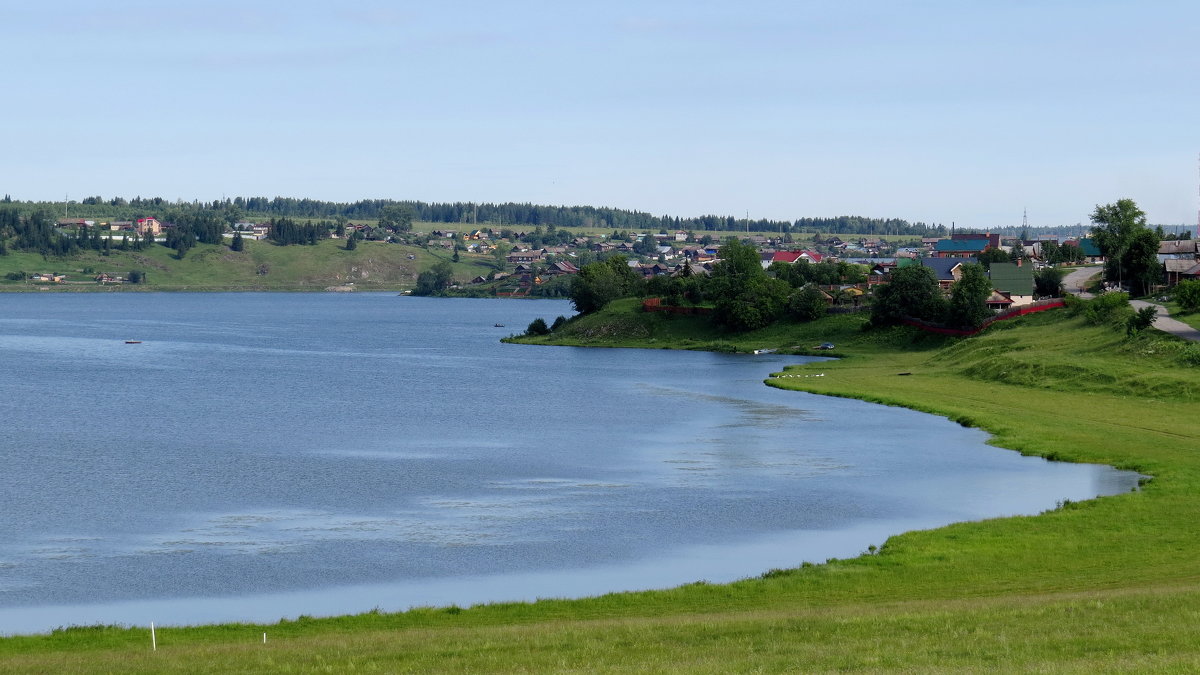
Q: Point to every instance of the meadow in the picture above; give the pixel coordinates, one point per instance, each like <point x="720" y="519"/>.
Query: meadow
<point x="1103" y="585"/>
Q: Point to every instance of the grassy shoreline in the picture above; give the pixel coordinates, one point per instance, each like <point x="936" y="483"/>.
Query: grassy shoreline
<point x="1107" y="584"/>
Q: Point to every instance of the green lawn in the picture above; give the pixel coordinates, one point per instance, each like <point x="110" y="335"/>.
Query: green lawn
<point x="1105" y="585"/>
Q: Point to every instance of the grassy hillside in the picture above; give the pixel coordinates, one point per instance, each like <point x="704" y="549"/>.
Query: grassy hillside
<point x="261" y="266"/>
<point x="1104" y="585"/>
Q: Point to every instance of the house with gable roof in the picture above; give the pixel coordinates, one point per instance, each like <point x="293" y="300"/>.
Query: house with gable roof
<point x="1014" y="281"/>
<point x="947" y="270"/>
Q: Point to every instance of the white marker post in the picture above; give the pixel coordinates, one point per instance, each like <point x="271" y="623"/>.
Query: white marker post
<point x="264" y="638"/>
<point x="153" y="640"/>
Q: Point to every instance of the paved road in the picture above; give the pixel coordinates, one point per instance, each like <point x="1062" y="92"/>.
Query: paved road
<point x="1168" y="325"/>
<point x="1077" y="280"/>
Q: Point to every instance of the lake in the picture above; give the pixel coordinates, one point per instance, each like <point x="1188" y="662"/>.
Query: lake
<point x="258" y="456"/>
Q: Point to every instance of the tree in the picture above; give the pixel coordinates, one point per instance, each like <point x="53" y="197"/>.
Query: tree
<point x="968" y="298"/>
<point x="746" y="297"/>
<point x="538" y="327"/>
<point x="237" y="244"/>
<point x="1131" y="248"/>
<point x="991" y="255"/>
<point x="352" y="241"/>
<point x="396" y="217"/>
<point x="182" y="239"/>
<point x="1017" y="253"/>
<point x="136" y="277"/>
<point x="808" y="303"/>
<point x="1047" y="282"/>
<point x="911" y="291"/>
<point x="599" y="283"/>
<point x="1141" y="320"/>
<point x="434" y="280"/>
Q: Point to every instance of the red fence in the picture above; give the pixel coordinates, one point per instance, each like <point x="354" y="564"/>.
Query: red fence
<point x="1039" y="306"/>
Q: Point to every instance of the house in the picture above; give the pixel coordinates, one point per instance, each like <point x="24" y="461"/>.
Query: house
<point x="75" y="222"/>
<point x="691" y="270"/>
<point x="793" y="257"/>
<point x="151" y="225"/>
<point x="562" y="268"/>
<point x="1182" y="248"/>
<point x="993" y="240"/>
<point x="681" y="235"/>
<point x="1176" y="270"/>
<point x="999" y="301"/>
<point x="960" y="248"/>
<point x="1091" y="252"/>
<point x="516" y="257"/>
<point x="947" y="270"/>
<point x="1014" y="280"/>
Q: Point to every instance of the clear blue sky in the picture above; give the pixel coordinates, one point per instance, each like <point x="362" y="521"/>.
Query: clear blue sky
<point x="932" y="111"/>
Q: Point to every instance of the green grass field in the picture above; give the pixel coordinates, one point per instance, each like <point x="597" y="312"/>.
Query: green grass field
<point x="1105" y="585"/>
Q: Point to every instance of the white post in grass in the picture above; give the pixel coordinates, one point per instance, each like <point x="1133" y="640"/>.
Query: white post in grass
<point x="264" y="638"/>
<point x="153" y="640"/>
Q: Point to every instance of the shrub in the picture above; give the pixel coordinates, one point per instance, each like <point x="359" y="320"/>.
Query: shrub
<point x="1047" y="282"/>
<point x="1110" y="308"/>
<point x="1187" y="294"/>
<point x="558" y="323"/>
<point x="538" y="327"/>
<point x="808" y="303"/>
<point x="1140" y="321"/>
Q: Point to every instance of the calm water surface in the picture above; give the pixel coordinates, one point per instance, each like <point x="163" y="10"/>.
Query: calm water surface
<point x="267" y="455"/>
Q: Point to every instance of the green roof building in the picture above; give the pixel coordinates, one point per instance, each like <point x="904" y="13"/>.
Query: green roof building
<point x="1012" y="278"/>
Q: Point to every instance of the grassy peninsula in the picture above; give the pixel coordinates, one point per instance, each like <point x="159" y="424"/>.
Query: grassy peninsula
<point x="1105" y="585"/>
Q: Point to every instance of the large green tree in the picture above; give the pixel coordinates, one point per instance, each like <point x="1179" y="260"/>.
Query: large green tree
<point x="1130" y="248"/>
<point x="396" y="217"/>
<point x="968" y="298"/>
<point x="745" y="297"/>
<point x="911" y="291"/>
<point x="808" y="303"/>
<point x="1048" y="282"/>
<point x="599" y="283"/>
<point x="434" y="280"/>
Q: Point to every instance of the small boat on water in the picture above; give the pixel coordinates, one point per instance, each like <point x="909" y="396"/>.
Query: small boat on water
<point x="765" y="351"/>
<point x="498" y="325"/>
<point x="133" y="342"/>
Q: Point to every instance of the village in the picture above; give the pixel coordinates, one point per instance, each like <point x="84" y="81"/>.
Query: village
<point x="539" y="262"/>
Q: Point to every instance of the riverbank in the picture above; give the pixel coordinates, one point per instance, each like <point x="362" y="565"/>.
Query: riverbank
<point x="1108" y="584"/>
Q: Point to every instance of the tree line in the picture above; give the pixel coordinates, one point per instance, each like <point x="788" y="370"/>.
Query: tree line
<point x="494" y="215"/>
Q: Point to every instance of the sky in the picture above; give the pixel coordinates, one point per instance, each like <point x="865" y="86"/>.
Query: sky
<point x="928" y="110"/>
